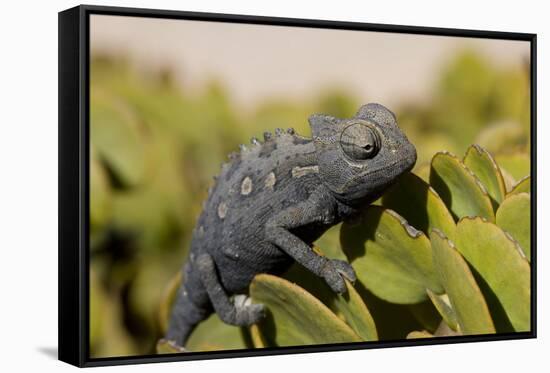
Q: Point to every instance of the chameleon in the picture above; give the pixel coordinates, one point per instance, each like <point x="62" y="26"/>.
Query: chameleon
<point x="272" y="200"/>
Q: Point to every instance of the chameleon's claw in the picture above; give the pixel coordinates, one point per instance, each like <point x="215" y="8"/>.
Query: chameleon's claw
<point x="334" y="273"/>
<point x="346" y="270"/>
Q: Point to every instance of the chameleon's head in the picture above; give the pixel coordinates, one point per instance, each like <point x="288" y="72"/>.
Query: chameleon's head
<point x="359" y="157"/>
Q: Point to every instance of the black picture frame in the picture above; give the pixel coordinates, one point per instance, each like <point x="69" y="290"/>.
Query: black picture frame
<point x="74" y="66"/>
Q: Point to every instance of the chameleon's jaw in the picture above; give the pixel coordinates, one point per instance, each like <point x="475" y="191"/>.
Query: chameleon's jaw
<point x="410" y="157"/>
<point x="372" y="182"/>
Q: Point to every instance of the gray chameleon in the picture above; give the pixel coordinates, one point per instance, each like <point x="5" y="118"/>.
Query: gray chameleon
<point x="272" y="200"/>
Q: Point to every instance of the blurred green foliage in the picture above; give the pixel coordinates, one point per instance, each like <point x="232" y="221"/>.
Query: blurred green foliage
<point x="155" y="147"/>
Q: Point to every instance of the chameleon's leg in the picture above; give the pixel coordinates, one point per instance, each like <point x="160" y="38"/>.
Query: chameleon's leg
<point x="188" y="310"/>
<point x="314" y="210"/>
<point x="239" y="311"/>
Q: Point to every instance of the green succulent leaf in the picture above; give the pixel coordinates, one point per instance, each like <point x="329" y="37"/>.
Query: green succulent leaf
<point x="501" y="270"/>
<point x="356" y="313"/>
<point x="349" y="306"/>
<point x="443" y="306"/>
<point x="100" y="194"/>
<point x="118" y="140"/>
<point x="518" y="165"/>
<point x="96" y="309"/>
<point x="522" y="186"/>
<point x="501" y="136"/>
<point x="423" y="171"/>
<point x="482" y="164"/>
<point x="412" y="198"/>
<point x="468" y="304"/>
<point x="213" y="334"/>
<point x="295" y="317"/>
<point x="393" y="321"/>
<point x="391" y="258"/>
<point x="258" y="340"/>
<point x="419" y="334"/>
<point x="457" y="186"/>
<point x="514" y="216"/>
<point x="426" y="315"/>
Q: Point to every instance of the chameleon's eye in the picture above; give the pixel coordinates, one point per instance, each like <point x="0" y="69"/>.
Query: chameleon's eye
<point x="360" y="141"/>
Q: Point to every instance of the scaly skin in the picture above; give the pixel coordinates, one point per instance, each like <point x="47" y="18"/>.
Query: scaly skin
<point x="273" y="200"/>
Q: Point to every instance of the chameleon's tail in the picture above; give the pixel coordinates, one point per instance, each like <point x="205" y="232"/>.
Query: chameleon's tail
<point x="186" y="314"/>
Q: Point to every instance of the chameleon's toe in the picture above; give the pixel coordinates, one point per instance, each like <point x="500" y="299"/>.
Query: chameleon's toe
<point x="169" y="346"/>
<point x="345" y="269"/>
<point x="334" y="273"/>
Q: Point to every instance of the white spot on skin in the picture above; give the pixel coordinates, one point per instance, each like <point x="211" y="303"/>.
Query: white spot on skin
<point x="302" y="171"/>
<point x="270" y="180"/>
<point x="222" y="210"/>
<point x="246" y="186"/>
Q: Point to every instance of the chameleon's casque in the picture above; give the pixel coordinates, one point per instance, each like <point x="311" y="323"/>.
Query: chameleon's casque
<point x="272" y="200"/>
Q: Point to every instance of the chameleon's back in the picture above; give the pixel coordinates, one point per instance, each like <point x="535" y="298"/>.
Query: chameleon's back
<point x="257" y="183"/>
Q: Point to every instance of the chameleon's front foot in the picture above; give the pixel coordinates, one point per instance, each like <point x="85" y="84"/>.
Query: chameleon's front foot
<point x="334" y="271"/>
<point x="247" y="313"/>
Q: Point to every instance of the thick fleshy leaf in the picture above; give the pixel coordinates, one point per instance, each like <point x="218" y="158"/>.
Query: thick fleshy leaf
<point x="443" y="330"/>
<point x="100" y="195"/>
<point x="329" y="244"/>
<point x="502" y="272"/>
<point x="522" y="186"/>
<point x="426" y="315"/>
<point x="443" y="306"/>
<point x="459" y="188"/>
<point x="412" y="198"/>
<point x="117" y="137"/>
<point x="516" y="164"/>
<point x="508" y="180"/>
<point x="391" y="258"/>
<point x="356" y="313"/>
<point x="501" y="136"/>
<point x="482" y="164"/>
<point x="214" y="335"/>
<point x="423" y="171"/>
<point x="97" y="301"/>
<point x="295" y="317"/>
<point x="393" y="321"/>
<point x="514" y="216"/>
<point x="467" y="301"/>
<point x="349" y="306"/>
<point x="258" y="340"/>
<point x="419" y="334"/>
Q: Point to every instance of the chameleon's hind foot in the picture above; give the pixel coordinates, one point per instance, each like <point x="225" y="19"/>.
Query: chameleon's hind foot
<point x="167" y="346"/>
<point x="247" y="313"/>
